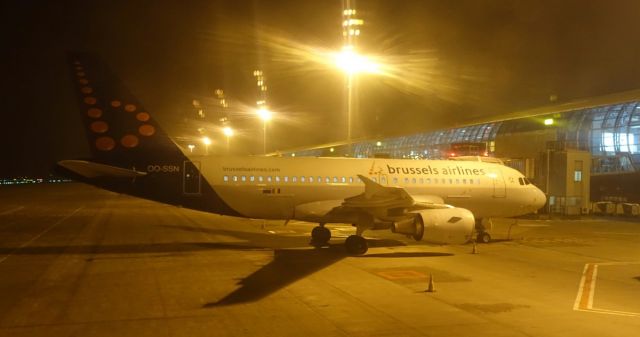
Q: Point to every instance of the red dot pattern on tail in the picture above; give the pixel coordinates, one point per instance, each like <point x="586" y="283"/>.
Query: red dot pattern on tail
<point x="99" y="127"/>
<point x="129" y="108"/>
<point x="129" y="141"/>
<point x="146" y="130"/>
<point x="105" y="143"/>
<point x="94" y="113"/>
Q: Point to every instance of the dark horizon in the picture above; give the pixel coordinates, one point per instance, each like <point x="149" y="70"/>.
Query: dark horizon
<point x="470" y="59"/>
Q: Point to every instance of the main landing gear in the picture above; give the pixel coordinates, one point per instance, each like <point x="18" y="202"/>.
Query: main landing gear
<point x="320" y="236"/>
<point x="482" y="236"/>
<point x="355" y="244"/>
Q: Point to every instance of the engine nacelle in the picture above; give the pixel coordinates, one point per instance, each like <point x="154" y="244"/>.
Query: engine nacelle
<point x="447" y="225"/>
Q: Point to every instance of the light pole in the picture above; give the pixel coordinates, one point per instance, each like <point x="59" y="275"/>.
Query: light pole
<point x="348" y="60"/>
<point x="207" y="141"/>
<point x="265" y="115"/>
<point x="228" y="132"/>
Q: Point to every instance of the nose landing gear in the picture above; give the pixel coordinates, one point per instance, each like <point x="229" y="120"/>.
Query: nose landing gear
<point x="482" y="236"/>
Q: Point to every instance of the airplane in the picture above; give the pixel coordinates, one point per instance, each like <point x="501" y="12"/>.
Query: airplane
<point x="440" y="201"/>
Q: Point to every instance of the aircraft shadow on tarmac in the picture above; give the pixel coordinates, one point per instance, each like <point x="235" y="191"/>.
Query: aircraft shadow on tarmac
<point x="291" y="262"/>
<point x="293" y="259"/>
<point x="287" y="266"/>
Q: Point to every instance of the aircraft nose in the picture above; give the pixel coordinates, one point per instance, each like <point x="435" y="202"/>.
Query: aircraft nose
<point x="539" y="198"/>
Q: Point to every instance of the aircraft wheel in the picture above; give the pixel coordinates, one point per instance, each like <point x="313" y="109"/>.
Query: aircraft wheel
<point x="419" y="229"/>
<point x="320" y="236"/>
<point x="356" y="245"/>
<point x="484" y="237"/>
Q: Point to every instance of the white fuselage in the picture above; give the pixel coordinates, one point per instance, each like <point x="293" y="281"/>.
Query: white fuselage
<point x="272" y="187"/>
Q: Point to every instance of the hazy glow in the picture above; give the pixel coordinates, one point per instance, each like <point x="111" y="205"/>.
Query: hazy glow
<point x="411" y="71"/>
<point x="548" y="121"/>
<point x="227" y="131"/>
<point x="206" y="141"/>
<point x="265" y="114"/>
<point x="353" y="63"/>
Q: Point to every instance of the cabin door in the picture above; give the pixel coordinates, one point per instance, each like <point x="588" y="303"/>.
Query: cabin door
<point x="499" y="186"/>
<point x="191" y="177"/>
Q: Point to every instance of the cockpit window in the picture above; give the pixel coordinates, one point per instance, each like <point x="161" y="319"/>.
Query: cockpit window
<point x="524" y="181"/>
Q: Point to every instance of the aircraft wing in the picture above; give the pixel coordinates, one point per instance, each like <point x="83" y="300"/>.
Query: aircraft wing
<point x="386" y="203"/>
<point x="90" y="169"/>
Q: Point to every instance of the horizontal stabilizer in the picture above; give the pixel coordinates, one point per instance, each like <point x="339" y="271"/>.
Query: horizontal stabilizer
<point x="89" y="169"/>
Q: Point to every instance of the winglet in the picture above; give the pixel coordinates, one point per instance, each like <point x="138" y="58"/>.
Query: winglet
<point x="371" y="187"/>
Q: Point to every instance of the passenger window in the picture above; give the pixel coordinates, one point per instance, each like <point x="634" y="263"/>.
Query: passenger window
<point x="335" y="180"/>
<point x="286" y="179"/>
<point x="320" y="179"/>
<point x="310" y="179"/>
<point x="235" y="178"/>
<point x="374" y="179"/>
<point x="470" y="181"/>
<point x="277" y="179"/>
<point x="243" y="178"/>
<point x="252" y="178"/>
<point x="343" y="179"/>
<point x="269" y="179"/>
<point x="327" y="180"/>
<point x="406" y="180"/>
<point x="413" y="181"/>
<point x="421" y="181"/>
<point x="450" y="181"/>
<point x="225" y="178"/>
<point x="457" y="181"/>
<point x="294" y="179"/>
<point x="301" y="179"/>
<point x="428" y="180"/>
<point x="350" y="180"/>
<point x="464" y="181"/>
<point x="395" y="180"/>
<point x="260" y="179"/>
<point x="383" y="180"/>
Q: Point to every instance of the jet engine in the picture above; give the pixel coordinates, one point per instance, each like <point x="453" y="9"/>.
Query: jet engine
<point x="441" y="226"/>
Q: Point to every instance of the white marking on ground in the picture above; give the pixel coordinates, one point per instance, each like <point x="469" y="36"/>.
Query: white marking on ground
<point x="12" y="210"/>
<point x="588" y="287"/>
<point x="617" y="233"/>
<point x="41" y="234"/>
<point x="534" y="225"/>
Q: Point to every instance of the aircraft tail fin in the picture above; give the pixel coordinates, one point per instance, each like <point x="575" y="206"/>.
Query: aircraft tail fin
<point x="120" y="131"/>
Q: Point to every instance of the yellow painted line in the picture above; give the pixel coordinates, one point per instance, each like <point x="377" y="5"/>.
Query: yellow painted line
<point x="588" y="286"/>
<point x="586" y="291"/>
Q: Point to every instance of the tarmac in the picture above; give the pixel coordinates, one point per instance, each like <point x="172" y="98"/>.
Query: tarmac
<point x="79" y="261"/>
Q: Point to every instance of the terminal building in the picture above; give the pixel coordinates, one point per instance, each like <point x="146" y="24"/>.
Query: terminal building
<point x="577" y="152"/>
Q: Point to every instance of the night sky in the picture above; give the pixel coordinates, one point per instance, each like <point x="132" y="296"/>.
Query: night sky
<point x="452" y="61"/>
